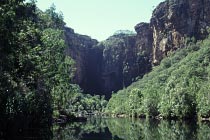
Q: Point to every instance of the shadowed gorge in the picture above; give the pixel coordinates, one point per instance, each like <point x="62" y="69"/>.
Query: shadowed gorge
<point x="108" y="66"/>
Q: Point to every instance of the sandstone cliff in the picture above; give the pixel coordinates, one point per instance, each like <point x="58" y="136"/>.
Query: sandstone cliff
<point x="88" y="60"/>
<point x="109" y="65"/>
<point x="174" y="20"/>
<point x="103" y="67"/>
<point x="124" y="59"/>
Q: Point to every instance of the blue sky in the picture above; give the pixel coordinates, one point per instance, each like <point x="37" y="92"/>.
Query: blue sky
<point x="101" y="18"/>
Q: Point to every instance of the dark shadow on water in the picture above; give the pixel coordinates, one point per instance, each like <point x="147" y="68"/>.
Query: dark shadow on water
<point x="107" y="129"/>
<point x="24" y="129"/>
<point x="102" y="135"/>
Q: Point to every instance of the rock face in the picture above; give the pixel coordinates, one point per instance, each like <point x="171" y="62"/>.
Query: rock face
<point x="174" y="20"/>
<point x="109" y="65"/>
<point x="88" y="60"/>
<point x="103" y="67"/>
<point x="124" y="59"/>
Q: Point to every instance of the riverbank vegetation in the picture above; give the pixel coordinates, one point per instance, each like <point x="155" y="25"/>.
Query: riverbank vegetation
<point x="176" y="89"/>
<point x="35" y="73"/>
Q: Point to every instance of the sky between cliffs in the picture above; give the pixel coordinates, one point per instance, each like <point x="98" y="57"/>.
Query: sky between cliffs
<point x="101" y="18"/>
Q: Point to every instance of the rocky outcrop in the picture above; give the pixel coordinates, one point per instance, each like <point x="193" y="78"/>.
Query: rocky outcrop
<point x="124" y="59"/>
<point x="87" y="60"/>
<point x="174" y="20"/>
<point x="108" y="66"/>
<point x="144" y="40"/>
<point x="116" y="62"/>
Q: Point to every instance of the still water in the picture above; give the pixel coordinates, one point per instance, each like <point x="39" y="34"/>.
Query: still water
<point x="112" y="129"/>
<point x="130" y="129"/>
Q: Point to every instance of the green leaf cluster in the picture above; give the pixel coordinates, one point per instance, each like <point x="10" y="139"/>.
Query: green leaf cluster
<point x="35" y="73"/>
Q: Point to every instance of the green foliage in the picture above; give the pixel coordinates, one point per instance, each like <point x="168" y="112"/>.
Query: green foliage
<point x="35" y="74"/>
<point x="150" y="101"/>
<point x="117" y="104"/>
<point x="124" y="32"/>
<point x="20" y="84"/>
<point x="135" y="102"/>
<point x="177" y="88"/>
<point x="203" y="101"/>
<point x="85" y="104"/>
<point x="203" y="131"/>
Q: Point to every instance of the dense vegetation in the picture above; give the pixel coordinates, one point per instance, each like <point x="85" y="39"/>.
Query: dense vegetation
<point x="36" y="79"/>
<point x="35" y="73"/>
<point x="178" y="88"/>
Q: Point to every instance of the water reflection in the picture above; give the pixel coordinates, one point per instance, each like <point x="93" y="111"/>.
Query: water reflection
<point x="130" y="129"/>
<point x="93" y="129"/>
<point x="110" y="129"/>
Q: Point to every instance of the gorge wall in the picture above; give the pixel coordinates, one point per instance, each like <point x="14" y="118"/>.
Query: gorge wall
<point x="104" y="67"/>
<point x="110" y="65"/>
<point x="174" y="20"/>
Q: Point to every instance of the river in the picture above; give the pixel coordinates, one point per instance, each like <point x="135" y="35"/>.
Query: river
<point x="115" y="129"/>
<point x="132" y="129"/>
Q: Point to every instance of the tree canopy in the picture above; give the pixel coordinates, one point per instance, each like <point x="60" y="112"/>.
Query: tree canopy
<point x="177" y="88"/>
